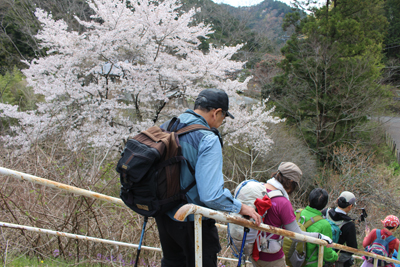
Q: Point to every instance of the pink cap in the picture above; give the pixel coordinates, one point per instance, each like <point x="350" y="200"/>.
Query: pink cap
<point x="391" y="221"/>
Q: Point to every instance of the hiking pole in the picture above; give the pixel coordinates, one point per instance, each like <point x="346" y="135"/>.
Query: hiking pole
<point x="141" y="240"/>
<point x="246" y="230"/>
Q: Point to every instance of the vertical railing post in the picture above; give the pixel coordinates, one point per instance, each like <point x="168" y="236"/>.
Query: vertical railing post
<point x="197" y="239"/>
<point x="321" y="256"/>
<point x="376" y="262"/>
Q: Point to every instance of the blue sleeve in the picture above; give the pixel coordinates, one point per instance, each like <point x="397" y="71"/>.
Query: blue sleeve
<point x="209" y="177"/>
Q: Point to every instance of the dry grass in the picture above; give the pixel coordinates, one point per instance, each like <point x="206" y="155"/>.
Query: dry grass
<point x="35" y="205"/>
<point x="374" y="185"/>
<point x="29" y="204"/>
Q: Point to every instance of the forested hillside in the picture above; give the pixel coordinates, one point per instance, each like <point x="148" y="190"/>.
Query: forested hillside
<point x="265" y="18"/>
<point x="259" y="26"/>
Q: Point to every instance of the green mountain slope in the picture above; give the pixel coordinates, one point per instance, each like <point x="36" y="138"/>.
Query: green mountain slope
<point x="264" y="18"/>
<point x="258" y="27"/>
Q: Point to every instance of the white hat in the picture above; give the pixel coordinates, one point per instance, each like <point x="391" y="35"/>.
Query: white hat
<point x="350" y="197"/>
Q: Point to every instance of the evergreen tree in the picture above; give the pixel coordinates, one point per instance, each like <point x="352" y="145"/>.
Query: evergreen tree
<point x="329" y="85"/>
<point x="19" y="25"/>
<point x="392" y="48"/>
<point x="392" y="40"/>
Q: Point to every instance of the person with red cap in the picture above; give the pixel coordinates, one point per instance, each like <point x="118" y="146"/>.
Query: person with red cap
<point x="390" y="224"/>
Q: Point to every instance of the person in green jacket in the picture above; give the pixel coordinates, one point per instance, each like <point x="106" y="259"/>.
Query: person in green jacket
<point x="318" y="199"/>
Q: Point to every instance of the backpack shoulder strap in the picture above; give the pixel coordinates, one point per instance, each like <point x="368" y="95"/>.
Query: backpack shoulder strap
<point x="378" y="234"/>
<point x="275" y="193"/>
<point x="298" y="214"/>
<point x="195" y="127"/>
<point x="191" y="128"/>
<point x="312" y="220"/>
<point x="242" y="185"/>
<point x="171" y="123"/>
<point x="390" y="238"/>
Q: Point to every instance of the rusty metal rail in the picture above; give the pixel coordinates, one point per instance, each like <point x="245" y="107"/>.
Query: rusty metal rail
<point x="74" y="236"/>
<point x="70" y="189"/>
<point x="86" y="238"/>
<point x="78" y="191"/>
<point x="199" y="212"/>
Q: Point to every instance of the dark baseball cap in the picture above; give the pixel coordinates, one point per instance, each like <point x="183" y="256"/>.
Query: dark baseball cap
<point x="214" y="98"/>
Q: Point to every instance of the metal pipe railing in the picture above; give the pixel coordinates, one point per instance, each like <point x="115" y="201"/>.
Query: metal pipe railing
<point x="87" y="238"/>
<point x="188" y="209"/>
<point x="76" y="190"/>
<point x="193" y="209"/>
<point x="71" y="189"/>
<point x="81" y="237"/>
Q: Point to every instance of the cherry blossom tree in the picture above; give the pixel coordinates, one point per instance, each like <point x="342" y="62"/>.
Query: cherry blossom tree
<point x="135" y="65"/>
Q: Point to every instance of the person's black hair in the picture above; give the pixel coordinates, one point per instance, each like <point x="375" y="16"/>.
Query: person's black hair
<point x="201" y="104"/>
<point x="318" y="198"/>
<point x="390" y="227"/>
<point x="205" y="109"/>
<point x="342" y="203"/>
<point x="288" y="184"/>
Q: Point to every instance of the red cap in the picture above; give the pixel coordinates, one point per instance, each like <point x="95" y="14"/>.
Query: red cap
<point x="391" y="221"/>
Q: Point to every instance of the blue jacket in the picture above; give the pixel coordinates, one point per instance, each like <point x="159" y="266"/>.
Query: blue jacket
<point x="203" y="150"/>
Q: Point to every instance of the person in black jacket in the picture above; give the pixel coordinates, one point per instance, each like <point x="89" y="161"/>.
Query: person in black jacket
<point x="346" y="202"/>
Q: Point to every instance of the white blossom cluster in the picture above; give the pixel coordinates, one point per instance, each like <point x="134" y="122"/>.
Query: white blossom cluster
<point x="152" y="55"/>
<point x="250" y="126"/>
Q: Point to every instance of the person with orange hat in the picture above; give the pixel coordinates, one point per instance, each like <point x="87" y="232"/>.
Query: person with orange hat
<point x="374" y="238"/>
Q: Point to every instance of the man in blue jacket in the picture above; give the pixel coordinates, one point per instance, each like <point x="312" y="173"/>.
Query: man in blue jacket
<point x="203" y="150"/>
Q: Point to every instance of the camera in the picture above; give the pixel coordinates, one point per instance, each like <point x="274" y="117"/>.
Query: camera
<point x="363" y="215"/>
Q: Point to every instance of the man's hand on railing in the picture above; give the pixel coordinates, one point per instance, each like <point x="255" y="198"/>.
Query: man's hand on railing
<point x="327" y="239"/>
<point x="247" y="210"/>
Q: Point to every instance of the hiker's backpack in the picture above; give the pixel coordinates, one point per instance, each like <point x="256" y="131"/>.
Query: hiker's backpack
<point x="247" y="192"/>
<point x="336" y="226"/>
<point x="380" y="246"/>
<point x="295" y="251"/>
<point x="149" y="169"/>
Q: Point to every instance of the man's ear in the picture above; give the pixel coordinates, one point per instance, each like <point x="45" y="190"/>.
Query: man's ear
<point x="215" y="112"/>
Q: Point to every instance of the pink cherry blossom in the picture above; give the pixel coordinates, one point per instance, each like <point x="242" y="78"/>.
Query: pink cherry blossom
<point x="107" y="83"/>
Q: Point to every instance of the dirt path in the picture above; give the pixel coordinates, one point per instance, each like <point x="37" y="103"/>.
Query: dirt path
<point x="392" y="125"/>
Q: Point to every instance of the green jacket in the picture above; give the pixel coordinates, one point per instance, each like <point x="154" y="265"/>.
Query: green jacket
<point x="323" y="227"/>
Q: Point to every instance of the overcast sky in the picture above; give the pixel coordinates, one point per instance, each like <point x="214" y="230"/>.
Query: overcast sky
<point x="237" y="3"/>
